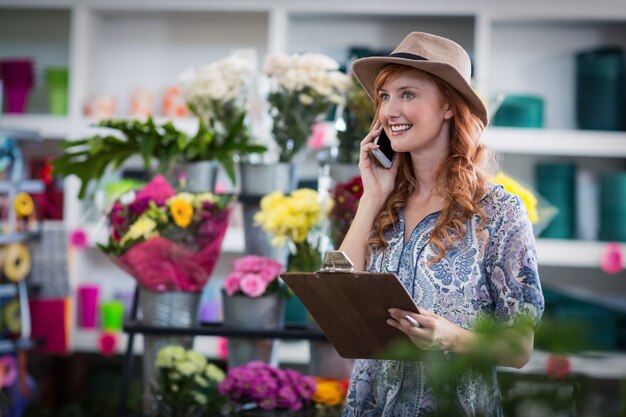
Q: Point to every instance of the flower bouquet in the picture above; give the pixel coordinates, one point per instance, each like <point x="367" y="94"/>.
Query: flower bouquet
<point x="540" y="212"/>
<point x="302" y="88"/>
<point x="186" y="384"/>
<point x="216" y="94"/>
<point x="346" y="196"/>
<point x="168" y="241"/>
<point x="259" y="385"/>
<point x="295" y="220"/>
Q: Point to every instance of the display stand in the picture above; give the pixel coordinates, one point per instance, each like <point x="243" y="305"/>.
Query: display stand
<point x="10" y="154"/>
<point x="133" y="327"/>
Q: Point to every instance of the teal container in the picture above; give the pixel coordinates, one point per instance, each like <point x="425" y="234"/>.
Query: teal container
<point x="613" y="207"/>
<point x="520" y="111"/>
<point x="556" y="182"/>
<point x="599" y="326"/>
<point x="296" y="313"/>
<point x="600" y="89"/>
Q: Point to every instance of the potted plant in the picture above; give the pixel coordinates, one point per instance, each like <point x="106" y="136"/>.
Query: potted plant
<point x="215" y="96"/>
<point x="253" y="298"/>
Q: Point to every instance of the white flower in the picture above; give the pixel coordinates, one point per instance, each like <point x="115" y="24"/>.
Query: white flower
<point x="186" y="368"/>
<point x="214" y="373"/>
<point x="222" y="81"/>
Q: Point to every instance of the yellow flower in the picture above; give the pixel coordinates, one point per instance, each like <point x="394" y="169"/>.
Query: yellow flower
<point x="291" y="217"/>
<point x="327" y="393"/>
<point x="143" y="227"/>
<point x="529" y="199"/>
<point x="182" y="211"/>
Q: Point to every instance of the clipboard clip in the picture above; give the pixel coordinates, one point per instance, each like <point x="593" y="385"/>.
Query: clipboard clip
<point x="337" y="261"/>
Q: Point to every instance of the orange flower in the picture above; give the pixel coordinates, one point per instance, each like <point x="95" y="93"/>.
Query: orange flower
<point x="182" y="211"/>
<point x="328" y="392"/>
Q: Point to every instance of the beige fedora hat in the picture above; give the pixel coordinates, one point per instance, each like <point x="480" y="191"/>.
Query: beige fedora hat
<point x="439" y="56"/>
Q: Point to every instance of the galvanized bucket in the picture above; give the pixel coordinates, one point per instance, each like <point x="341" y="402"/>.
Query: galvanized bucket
<point x="164" y="309"/>
<point x="259" y="313"/>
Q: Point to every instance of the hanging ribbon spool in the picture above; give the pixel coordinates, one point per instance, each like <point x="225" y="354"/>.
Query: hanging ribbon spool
<point x="16" y="262"/>
<point x="11" y="317"/>
<point x="24" y="205"/>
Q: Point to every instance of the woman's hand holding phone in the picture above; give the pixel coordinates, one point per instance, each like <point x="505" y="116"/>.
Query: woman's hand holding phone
<point x="377" y="180"/>
<point x="385" y="153"/>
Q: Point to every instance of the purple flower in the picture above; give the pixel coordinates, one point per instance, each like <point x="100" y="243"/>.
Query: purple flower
<point x="138" y="206"/>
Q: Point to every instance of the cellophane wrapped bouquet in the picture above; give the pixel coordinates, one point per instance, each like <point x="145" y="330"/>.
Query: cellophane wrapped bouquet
<point x="168" y="240"/>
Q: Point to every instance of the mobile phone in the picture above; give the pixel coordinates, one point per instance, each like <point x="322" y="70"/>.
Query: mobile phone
<point x="385" y="153"/>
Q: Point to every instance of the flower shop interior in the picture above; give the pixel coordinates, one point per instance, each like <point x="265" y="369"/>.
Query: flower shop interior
<point x="160" y="169"/>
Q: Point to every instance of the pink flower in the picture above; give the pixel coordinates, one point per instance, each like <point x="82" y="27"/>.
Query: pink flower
<point x="612" y="261"/>
<point x="79" y="239"/>
<point x="231" y="284"/>
<point x="222" y="348"/>
<point x="107" y="342"/>
<point x="157" y="190"/>
<point x="558" y="367"/>
<point x="253" y="285"/>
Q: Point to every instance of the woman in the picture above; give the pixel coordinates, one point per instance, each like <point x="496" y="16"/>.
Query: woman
<point x="462" y="248"/>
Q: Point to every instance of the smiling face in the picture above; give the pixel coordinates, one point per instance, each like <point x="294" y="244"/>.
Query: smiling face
<point x="414" y="114"/>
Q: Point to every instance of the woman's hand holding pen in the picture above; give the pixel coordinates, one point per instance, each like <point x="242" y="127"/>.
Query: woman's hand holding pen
<point x="377" y="180"/>
<point x="433" y="333"/>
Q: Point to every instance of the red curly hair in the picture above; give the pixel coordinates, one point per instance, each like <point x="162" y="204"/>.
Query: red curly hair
<point x="464" y="171"/>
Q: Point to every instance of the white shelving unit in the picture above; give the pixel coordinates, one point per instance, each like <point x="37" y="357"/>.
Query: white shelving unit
<point x="114" y="46"/>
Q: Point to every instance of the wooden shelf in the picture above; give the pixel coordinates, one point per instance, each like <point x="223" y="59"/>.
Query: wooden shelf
<point x="583" y="143"/>
<point x="572" y="253"/>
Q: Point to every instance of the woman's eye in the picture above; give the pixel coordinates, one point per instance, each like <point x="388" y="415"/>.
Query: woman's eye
<point x="383" y="97"/>
<point x="407" y="95"/>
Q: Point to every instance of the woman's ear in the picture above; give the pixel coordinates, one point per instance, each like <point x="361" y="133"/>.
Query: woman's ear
<point x="449" y="111"/>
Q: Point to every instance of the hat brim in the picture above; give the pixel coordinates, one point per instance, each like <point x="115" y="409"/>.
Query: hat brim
<point x="366" y="70"/>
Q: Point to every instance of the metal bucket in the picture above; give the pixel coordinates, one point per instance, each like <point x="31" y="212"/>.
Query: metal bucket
<point x="261" y="313"/>
<point x="164" y="309"/>
<point x="257" y="181"/>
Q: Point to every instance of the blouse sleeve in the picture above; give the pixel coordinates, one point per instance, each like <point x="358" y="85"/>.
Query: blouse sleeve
<point x="511" y="265"/>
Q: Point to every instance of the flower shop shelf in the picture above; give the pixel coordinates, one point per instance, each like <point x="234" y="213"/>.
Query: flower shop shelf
<point x="585" y="143"/>
<point x="572" y="253"/>
<point x="219" y="329"/>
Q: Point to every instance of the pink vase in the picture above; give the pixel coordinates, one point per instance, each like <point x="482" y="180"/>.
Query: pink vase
<point x="18" y="79"/>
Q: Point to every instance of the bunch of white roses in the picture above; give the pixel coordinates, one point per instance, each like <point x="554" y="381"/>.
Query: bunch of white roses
<point x="302" y="88"/>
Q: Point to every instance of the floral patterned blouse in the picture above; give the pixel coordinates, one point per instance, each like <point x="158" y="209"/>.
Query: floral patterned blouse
<point x="495" y="273"/>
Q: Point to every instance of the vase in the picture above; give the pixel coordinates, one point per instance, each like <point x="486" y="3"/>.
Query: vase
<point x="341" y="172"/>
<point x="253" y="313"/>
<point x="201" y="175"/>
<point x="325" y="362"/>
<point x="164" y="309"/>
<point x="306" y="258"/>
<point x="258" y="180"/>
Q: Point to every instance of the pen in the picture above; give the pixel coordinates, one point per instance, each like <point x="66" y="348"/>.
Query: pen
<point x="411" y="320"/>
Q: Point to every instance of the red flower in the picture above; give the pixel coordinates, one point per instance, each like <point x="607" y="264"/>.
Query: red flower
<point x="558" y="367"/>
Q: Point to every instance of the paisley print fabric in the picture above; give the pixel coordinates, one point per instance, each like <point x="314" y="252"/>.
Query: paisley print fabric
<point x="494" y="272"/>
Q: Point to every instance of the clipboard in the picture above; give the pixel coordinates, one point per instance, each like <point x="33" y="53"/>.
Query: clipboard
<point x="351" y="308"/>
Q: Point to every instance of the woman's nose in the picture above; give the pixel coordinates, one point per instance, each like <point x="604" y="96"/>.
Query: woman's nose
<point x="389" y="110"/>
